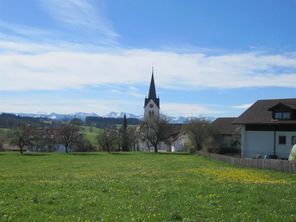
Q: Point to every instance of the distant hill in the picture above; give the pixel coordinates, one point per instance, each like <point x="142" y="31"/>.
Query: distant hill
<point x="112" y="117"/>
<point x="8" y="120"/>
<point x="103" y="122"/>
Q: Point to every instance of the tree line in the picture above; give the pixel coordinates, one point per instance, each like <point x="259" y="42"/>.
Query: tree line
<point x="69" y="137"/>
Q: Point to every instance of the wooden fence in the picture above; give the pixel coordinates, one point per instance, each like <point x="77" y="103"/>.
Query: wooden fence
<point x="279" y="165"/>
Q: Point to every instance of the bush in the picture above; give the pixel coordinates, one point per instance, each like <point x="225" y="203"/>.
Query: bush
<point x="188" y="147"/>
<point x="293" y="153"/>
<point x="84" y="145"/>
<point x="201" y="134"/>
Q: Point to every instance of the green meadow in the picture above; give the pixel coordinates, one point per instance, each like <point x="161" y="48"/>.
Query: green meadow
<point x="140" y="187"/>
<point x="91" y="134"/>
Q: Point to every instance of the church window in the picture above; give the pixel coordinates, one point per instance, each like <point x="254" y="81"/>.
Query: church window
<point x="151" y="113"/>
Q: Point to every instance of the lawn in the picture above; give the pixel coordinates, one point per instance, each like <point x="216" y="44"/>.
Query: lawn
<point x="140" y="187"/>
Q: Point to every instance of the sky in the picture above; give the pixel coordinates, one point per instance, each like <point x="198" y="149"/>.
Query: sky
<point x="210" y="58"/>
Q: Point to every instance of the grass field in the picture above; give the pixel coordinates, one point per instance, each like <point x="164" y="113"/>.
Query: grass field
<point x="140" y="187"/>
<point x="91" y="134"/>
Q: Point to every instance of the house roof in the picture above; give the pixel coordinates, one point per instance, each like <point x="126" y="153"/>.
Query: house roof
<point x="225" y="126"/>
<point x="260" y="112"/>
<point x="280" y="104"/>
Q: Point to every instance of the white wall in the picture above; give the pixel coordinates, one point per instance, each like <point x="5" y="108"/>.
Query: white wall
<point x="282" y="150"/>
<point x="262" y="142"/>
<point x="179" y="144"/>
<point x="147" y="108"/>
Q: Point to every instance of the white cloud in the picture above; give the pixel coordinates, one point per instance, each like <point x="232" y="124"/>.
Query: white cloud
<point x="80" y="14"/>
<point x="30" y="105"/>
<point x="183" y="109"/>
<point x="242" y="106"/>
<point x="63" y="66"/>
<point x="24" y="31"/>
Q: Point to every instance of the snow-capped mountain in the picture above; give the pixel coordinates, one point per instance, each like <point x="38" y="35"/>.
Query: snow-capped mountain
<point x="82" y="116"/>
<point x="121" y="114"/>
<point x="58" y="116"/>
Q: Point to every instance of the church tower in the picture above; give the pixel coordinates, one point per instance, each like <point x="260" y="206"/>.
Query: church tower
<point x="151" y="105"/>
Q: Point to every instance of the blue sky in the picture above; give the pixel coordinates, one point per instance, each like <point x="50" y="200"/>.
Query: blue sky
<point x="211" y="58"/>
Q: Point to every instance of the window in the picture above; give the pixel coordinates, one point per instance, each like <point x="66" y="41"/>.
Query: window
<point x="278" y="115"/>
<point x="151" y="113"/>
<point x="293" y="140"/>
<point x="282" y="140"/>
<point x="282" y="115"/>
<point x="286" y="115"/>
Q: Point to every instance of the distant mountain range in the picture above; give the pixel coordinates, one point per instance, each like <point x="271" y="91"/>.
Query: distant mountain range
<point x="82" y="116"/>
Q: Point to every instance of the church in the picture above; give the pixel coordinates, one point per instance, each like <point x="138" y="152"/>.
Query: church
<point x="151" y="112"/>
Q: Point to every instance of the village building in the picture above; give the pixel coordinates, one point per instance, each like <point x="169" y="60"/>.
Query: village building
<point x="228" y="135"/>
<point x="268" y="129"/>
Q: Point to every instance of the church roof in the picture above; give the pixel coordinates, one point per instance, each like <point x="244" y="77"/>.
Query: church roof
<point x="152" y="93"/>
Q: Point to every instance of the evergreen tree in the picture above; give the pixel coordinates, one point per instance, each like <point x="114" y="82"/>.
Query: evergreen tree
<point x="124" y="135"/>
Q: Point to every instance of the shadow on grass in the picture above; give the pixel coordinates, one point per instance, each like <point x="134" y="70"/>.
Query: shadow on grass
<point x="122" y="153"/>
<point x="86" y="153"/>
<point x="35" y="154"/>
<point x="173" y="153"/>
<point x="101" y="153"/>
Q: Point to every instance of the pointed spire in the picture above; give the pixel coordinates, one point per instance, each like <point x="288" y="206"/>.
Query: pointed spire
<point x="152" y="91"/>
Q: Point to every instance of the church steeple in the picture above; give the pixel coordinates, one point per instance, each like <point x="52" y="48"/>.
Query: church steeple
<point x="152" y="91"/>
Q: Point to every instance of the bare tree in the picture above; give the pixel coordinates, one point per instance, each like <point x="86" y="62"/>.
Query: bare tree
<point x="50" y="137"/>
<point x="133" y="137"/>
<point x="2" y="140"/>
<point x="108" y="139"/>
<point x="201" y="133"/>
<point x="156" y="130"/>
<point x="69" y="134"/>
<point x="23" y="136"/>
<point x="83" y="145"/>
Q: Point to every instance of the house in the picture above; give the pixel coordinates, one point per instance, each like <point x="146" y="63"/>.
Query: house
<point x="268" y="127"/>
<point x="228" y="134"/>
<point x="177" y="139"/>
<point x="180" y="141"/>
